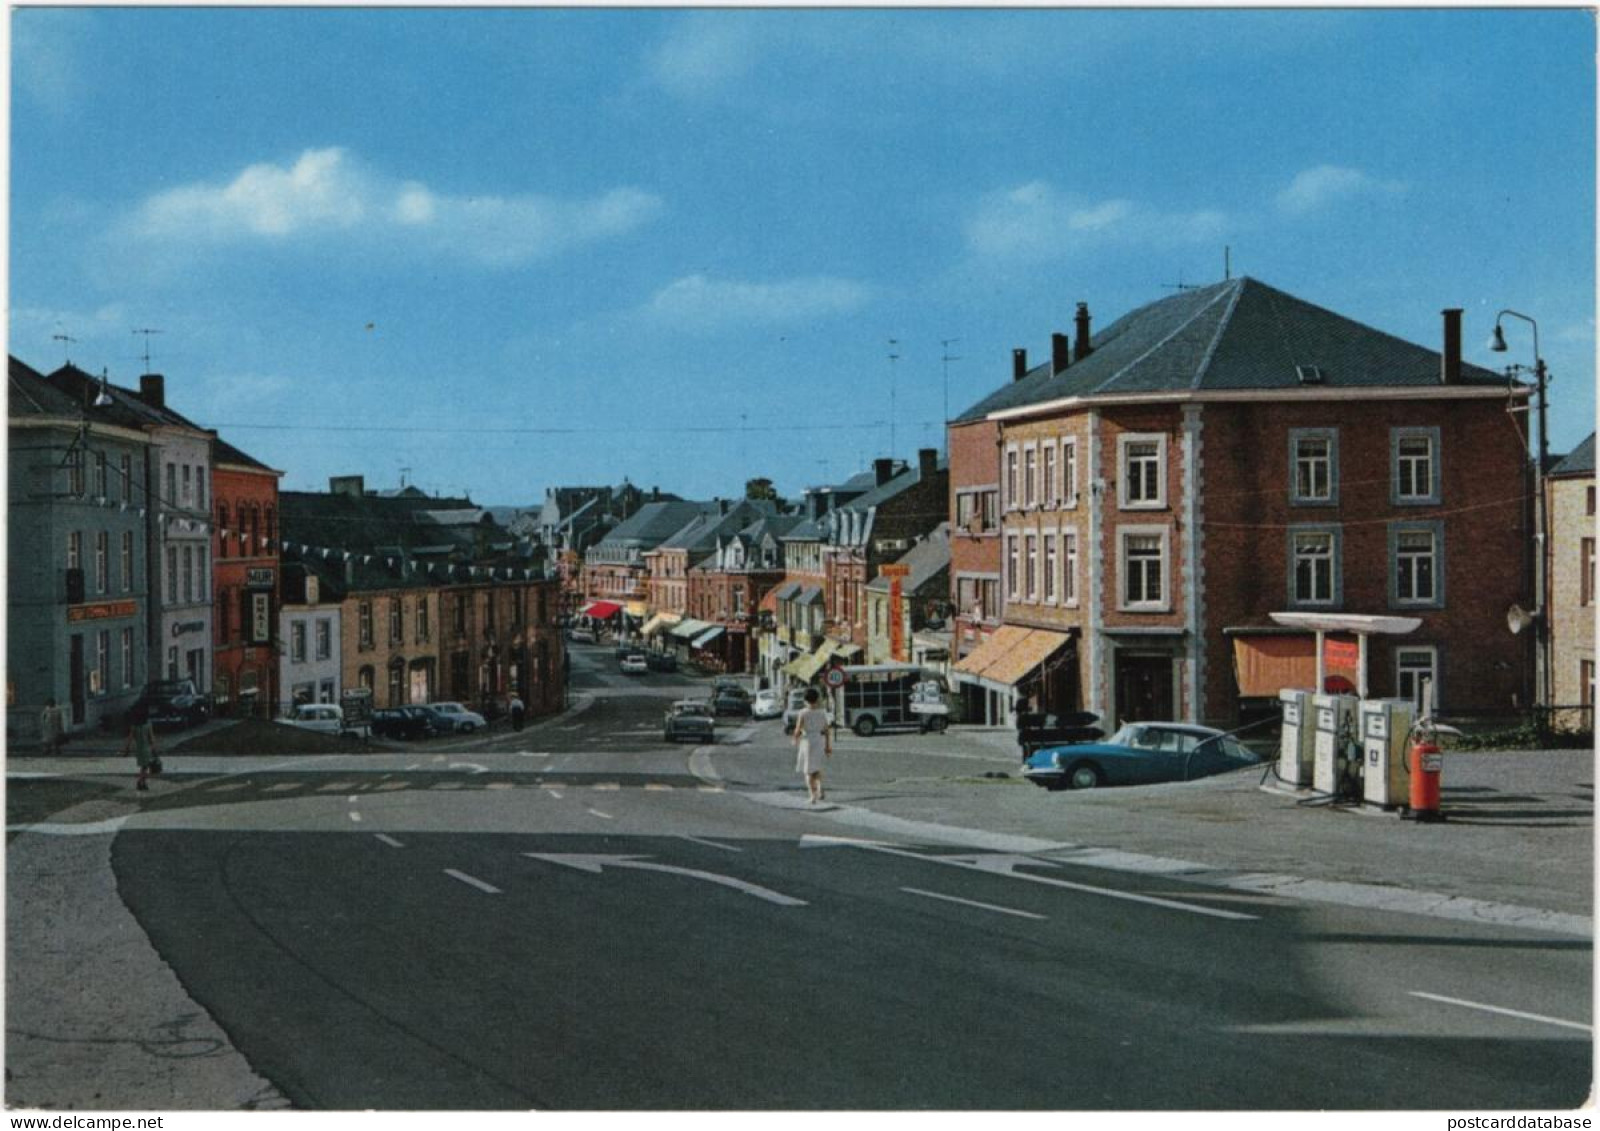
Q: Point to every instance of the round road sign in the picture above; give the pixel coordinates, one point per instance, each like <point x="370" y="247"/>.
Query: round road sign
<point x="834" y="677"/>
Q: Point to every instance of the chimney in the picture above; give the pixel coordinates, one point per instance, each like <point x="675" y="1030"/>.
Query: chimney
<point x="351" y="486"/>
<point x="1019" y="364"/>
<point x="722" y="506"/>
<point x="1450" y="360"/>
<point x="1060" y="353"/>
<point x="927" y="462"/>
<point x="153" y="389"/>
<point x="1080" y="346"/>
<point x="883" y="470"/>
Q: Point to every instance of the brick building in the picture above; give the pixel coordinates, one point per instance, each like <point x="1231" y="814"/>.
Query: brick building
<point x="726" y="590"/>
<point x="1231" y="452"/>
<point x="246" y="579"/>
<point x="1570" y="494"/>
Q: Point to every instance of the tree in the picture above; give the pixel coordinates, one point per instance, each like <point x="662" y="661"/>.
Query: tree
<point x="760" y="489"/>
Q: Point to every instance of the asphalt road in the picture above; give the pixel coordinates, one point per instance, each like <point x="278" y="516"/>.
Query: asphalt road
<point x="580" y="917"/>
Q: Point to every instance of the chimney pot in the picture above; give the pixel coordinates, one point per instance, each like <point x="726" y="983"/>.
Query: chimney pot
<point x="153" y="389"/>
<point x="1450" y="359"/>
<point x="1019" y="364"/>
<point x="353" y="486"/>
<point x="883" y="470"/>
<point x="1060" y="352"/>
<point x="1080" y="346"/>
<point x="927" y="462"/>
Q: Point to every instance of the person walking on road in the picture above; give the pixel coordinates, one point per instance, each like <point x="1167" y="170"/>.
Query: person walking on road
<point x="141" y="741"/>
<point x="517" y="712"/>
<point x="52" y="728"/>
<point x="815" y="741"/>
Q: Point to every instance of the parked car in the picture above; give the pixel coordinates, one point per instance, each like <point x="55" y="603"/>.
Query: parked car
<point x="404" y="723"/>
<point x="661" y="661"/>
<point x="327" y="718"/>
<point x="1139" y="753"/>
<point x="689" y="718"/>
<point x="453" y="718"/>
<point x="730" y="701"/>
<point x="766" y="704"/>
<point x="581" y="635"/>
<point x="174" y="702"/>
<point x="635" y="664"/>
<point x="792" y="709"/>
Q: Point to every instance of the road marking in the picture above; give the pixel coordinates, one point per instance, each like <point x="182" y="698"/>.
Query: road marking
<point x="337" y="787"/>
<point x="229" y="787"/>
<point x="445" y="785"/>
<point x="598" y="863"/>
<point x="1506" y="1012"/>
<point x="473" y="766"/>
<point x="351" y="799"/>
<point x="355" y="816"/>
<point x="554" y="792"/>
<point x="50" y="828"/>
<point x="414" y="766"/>
<point x="973" y="903"/>
<point x="389" y="786"/>
<point x="709" y="843"/>
<point x="389" y="840"/>
<point x="605" y="816"/>
<point x="607" y="786"/>
<point x="657" y="787"/>
<point x="711" y="789"/>
<point x="501" y="785"/>
<point x="284" y="787"/>
<point x="472" y="881"/>
<point x="1004" y="864"/>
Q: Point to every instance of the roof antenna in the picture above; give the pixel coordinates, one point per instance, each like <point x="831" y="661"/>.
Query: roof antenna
<point x="1227" y="263"/>
<point x="147" y="334"/>
<point x="893" y="357"/>
<point x="1180" y="285"/>
<point x="66" y="345"/>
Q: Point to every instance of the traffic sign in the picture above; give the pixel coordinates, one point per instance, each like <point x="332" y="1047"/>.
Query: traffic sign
<point x="834" y="677"/>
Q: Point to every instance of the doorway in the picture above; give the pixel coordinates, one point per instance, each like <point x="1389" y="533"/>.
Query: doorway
<point x="1145" y="687"/>
<point x="75" y="678"/>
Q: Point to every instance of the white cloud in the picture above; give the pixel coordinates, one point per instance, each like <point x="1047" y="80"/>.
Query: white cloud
<point x="1323" y="185"/>
<point x="1039" y="221"/>
<point x="46" y="54"/>
<point x="699" y="303"/>
<point x="328" y="193"/>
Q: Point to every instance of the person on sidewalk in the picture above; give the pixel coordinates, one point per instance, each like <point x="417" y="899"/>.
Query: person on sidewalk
<point x="52" y="728"/>
<point x="518" y="711"/>
<point x="141" y="741"/>
<point x="815" y="741"/>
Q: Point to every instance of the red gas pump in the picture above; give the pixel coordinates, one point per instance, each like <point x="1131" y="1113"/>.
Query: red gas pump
<point x="1427" y="764"/>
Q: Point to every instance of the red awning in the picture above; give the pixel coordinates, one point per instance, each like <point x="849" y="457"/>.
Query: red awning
<point x="600" y="610"/>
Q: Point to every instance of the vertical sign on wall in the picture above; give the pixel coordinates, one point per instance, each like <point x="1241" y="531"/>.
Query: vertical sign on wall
<point x="897" y="632"/>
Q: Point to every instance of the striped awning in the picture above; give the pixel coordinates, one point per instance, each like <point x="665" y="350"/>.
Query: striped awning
<point x="658" y="623"/>
<point x="689" y="629"/>
<point x="1010" y="655"/>
<point x="707" y="636"/>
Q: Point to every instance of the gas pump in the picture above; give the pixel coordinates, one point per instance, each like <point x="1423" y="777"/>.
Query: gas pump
<point x="1336" y="754"/>
<point x="1385" y="728"/>
<point x="1296" y="748"/>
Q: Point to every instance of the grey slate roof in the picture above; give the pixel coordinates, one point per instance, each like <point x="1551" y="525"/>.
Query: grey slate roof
<point x="927" y="559"/>
<point x="654" y="524"/>
<point x="129" y="408"/>
<point x="881" y="494"/>
<point x="224" y="452"/>
<point x="1239" y="334"/>
<point x="1579" y="461"/>
<point x="29" y="394"/>
<point x="702" y="531"/>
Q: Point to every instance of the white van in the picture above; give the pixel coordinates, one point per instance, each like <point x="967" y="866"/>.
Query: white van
<point x="326" y="718"/>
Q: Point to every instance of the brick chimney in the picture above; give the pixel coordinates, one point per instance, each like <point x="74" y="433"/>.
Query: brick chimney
<point x="927" y="462"/>
<point x="1450" y="359"/>
<point x="1019" y="364"/>
<point x="351" y="486"/>
<point x="153" y="390"/>
<point x="883" y="470"/>
<point x="1060" y="352"/>
<point x="1080" y="346"/>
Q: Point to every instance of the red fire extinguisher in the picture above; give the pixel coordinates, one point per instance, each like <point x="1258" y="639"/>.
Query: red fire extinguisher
<point x="1427" y="764"/>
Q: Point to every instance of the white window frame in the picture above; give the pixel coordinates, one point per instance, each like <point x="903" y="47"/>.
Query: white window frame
<point x="297" y="642"/>
<point x="1331" y="560"/>
<point x="1435" y="531"/>
<point x="127" y="658"/>
<point x="323" y="637"/>
<point x="1049" y="477"/>
<point x="1030" y="564"/>
<point x="1125" y="501"/>
<point x="1050" y="563"/>
<point x="1012" y="469"/>
<point x="127" y="561"/>
<point x="127" y="479"/>
<point x="1163" y="603"/>
<point x="75" y="549"/>
<point x="1330" y="460"/>
<point x="1400" y="673"/>
<point x="1013" y="561"/>
<point x="102" y="562"/>
<point x="1432" y="495"/>
<point x="1030" y="476"/>
<point x="1069" y="567"/>
<point x="1069" y="472"/>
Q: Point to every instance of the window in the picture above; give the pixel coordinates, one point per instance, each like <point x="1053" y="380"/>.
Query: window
<point x="1314" y="558"/>
<point x="1049" y="563"/>
<point x="488" y="610"/>
<point x="1586" y="574"/>
<point x="200" y="488"/>
<point x="224" y="615"/>
<point x="422" y="619"/>
<point x="1415" y="458"/>
<point x="1069" y="472"/>
<point x="1143" y="554"/>
<point x="1047" y="472"/>
<point x="172" y="662"/>
<point x="364" y="677"/>
<point x="172" y="486"/>
<point x="1033" y="566"/>
<point x="1416" y="564"/>
<point x="102" y="486"/>
<point x="127" y="561"/>
<point x="188" y="489"/>
<point x="1143" y="484"/>
<point x="461" y="615"/>
<point x="202" y="571"/>
<point x="297" y="642"/>
<point x="1069" y="566"/>
<point x="127" y="658"/>
<point x="1013" y="572"/>
<point x="324" y="638"/>
<point x="75" y="550"/>
<point x="127" y="479"/>
<point x="325" y="691"/>
<point x="396" y="621"/>
<point x="100" y="684"/>
<point x="267" y="532"/>
<point x="364" y="629"/>
<point x="991" y="598"/>
<point x="1586" y="683"/>
<point x="172" y="577"/>
<point x="1030" y="476"/>
<point x="75" y="470"/>
<point x="1011" y="478"/>
<point x="1313" y="455"/>
<point x="1588" y="501"/>
<point x="102" y="562"/>
<point x="1416" y="676"/>
<point x="397" y="684"/>
<point x="222" y="530"/>
<point x="188" y="574"/>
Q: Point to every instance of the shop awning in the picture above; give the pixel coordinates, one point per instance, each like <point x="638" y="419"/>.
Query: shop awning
<point x="769" y="603"/>
<point x="808" y="665"/>
<point x="706" y="637"/>
<point x="659" y="623"/>
<point x="600" y="610"/>
<point x="1010" y="654"/>
<point x="638" y="609"/>
<point x="689" y="629"/>
<point x="1265" y="663"/>
<point x="847" y="651"/>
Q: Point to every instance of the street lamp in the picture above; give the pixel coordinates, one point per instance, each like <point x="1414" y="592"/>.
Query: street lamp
<point x="1497" y="343"/>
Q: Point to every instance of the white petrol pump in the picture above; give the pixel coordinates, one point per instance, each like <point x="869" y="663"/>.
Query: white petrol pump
<point x="1296" y="748"/>
<point x="1334" y="742"/>
<point x="1385" y="728"/>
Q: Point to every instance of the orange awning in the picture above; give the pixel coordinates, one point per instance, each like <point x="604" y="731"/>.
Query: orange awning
<point x="1010" y="654"/>
<point x="1266" y="663"/>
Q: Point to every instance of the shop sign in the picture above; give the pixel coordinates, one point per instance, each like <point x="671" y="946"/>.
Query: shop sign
<point x="183" y="627"/>
<point x="258" y="578"/>
<point x="103" y="611"/>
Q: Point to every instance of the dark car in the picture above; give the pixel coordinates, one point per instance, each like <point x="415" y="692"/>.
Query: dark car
<point x="174" y="703"/>
<point x="405" y="723"/>
<point x="661" y="661"/>
<point x="730" y="701"/>
<point x="691" y="719"/>
<point x="1140" y="753"/>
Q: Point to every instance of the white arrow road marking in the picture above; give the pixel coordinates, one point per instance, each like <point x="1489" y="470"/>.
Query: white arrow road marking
<point x="709" y="843"/>
<point x="472" y="881"/>
<point x="596" y="863"/>
<point x="48" y="828"/>
<point x="603" y="816"/>
<point x="389" y="840"/>
<point x="354" y="816"/>
<point x="473" y="766"/>
<point x="1004" y="864"/>
<point x="972" y="903"/>
<point x="1504" y="1011"/>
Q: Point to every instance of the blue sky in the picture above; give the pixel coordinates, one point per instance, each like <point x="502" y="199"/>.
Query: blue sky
<point x="513" y="249"/>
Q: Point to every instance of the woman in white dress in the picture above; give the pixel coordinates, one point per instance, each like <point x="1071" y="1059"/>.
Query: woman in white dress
<point x="815" y="740"/>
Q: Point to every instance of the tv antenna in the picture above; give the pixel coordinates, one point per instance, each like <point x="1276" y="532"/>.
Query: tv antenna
<point x="893" y="357"/>
<point x="1180" y="285"/>
<point x="66" y="345"/>
<point x="947" y="357"/>
<point x="404" y="471"/>
<point x="147" y="334"/>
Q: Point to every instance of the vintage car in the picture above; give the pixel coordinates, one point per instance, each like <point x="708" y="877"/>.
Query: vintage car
<point x="1139" y="753"/>
<point x="691" y="719"/>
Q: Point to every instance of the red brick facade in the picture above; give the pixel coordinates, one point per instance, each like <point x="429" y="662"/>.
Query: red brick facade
<point x="245" y="570"/>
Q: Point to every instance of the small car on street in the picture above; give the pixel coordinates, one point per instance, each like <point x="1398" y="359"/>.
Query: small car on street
<point x="766" y="705"/>
<point x="691" y="719"/>
<point x="661" y="661"/>
<point x="404" y="723"/>
<point x="634" y="664"/>
<point x="327" y="718"/>
<point x="174" y="703"/>
<point x="581" y="635"/>
<point x="730" y="700"/>
<point x="1138" y="754"/>
<point x="453" y="718"/>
